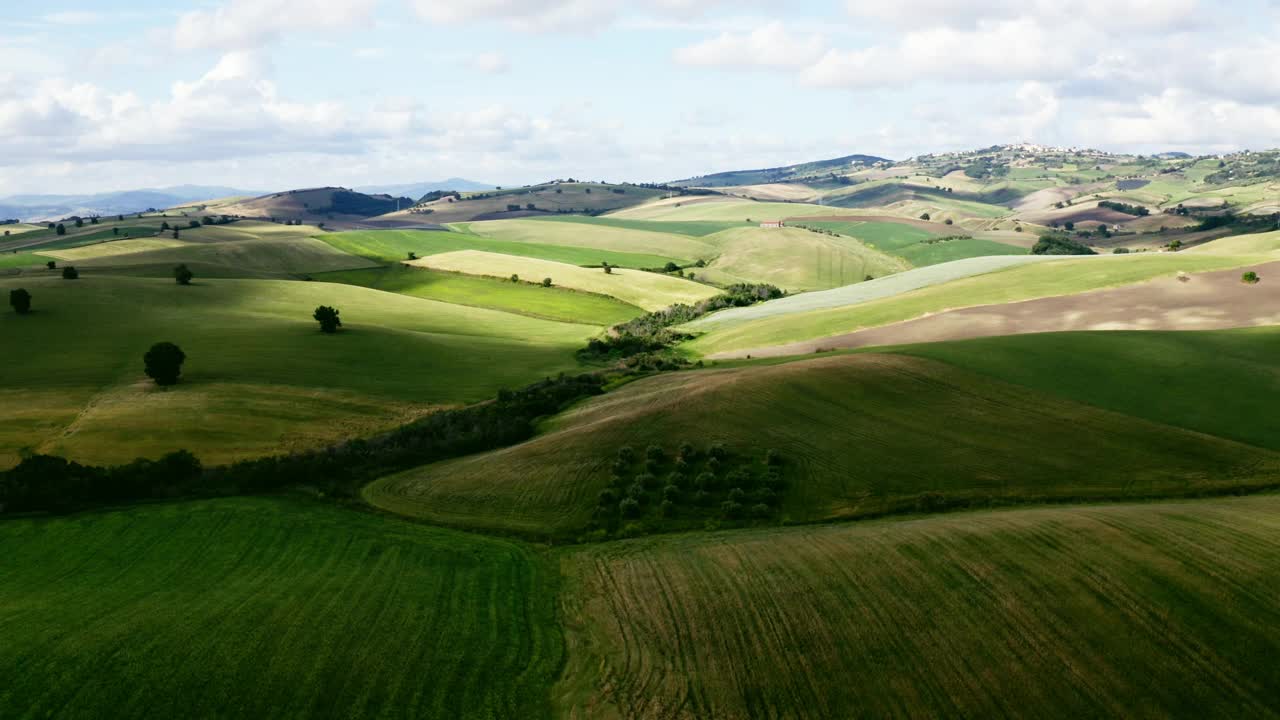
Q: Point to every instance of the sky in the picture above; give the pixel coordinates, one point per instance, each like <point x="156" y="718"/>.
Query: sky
<point x="276" y="94"/>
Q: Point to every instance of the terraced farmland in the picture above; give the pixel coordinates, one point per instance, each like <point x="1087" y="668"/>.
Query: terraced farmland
<point x="270" y="608"/>
<point x="863" y="434"/>
<point x="651" y="291"/>
<point x="1154" y="610"/>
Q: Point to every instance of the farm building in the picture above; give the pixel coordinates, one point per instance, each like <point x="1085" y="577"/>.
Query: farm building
<point x="771" y="224"/>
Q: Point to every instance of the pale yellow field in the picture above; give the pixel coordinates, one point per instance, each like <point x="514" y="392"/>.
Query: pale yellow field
<point x="114" y="249"/>
<point x="650" y="291"/>
<point x="795" y="259"/>
<point x="596" y="236"/>
<point x="724" y="209"/>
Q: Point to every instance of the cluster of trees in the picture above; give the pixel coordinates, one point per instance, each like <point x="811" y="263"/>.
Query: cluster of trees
<point x="1059" y="244"/>
<point x="651" y="332"/>
<point x="1125" y="208"/>
<point x="689" y="485"/>
<point x="47" y="483"/>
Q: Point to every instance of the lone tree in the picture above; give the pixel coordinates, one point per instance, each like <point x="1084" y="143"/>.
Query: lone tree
<point x="61" y="229"/>
<point x="1248" y="278"/>
<point x="607" y="269"/>
<point x="163" y="363"/>
<point x="51" y="265"/>
<point x="546" y="282"/>
<point x="328" y="319"/>
<point x="183" y="274"/>
<point x="70" y="273"/>
<point x="20" y="301"/>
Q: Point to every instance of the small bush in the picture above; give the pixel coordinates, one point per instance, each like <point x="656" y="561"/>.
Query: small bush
<point x="717" y="451"/>
<point x="667" y="508"/>
<point x="546" y="282"/>
<point x="626" y="453"/>
<point x="646" y="480"/>
<point x="671" y="492"/>
<point x="1250" y="278"/>
<point x="70" y="273"/>
<point x="702" y="498"/>
<point x="772" y="457"/>
<point x="761" y="510"/>
<point x="630" y="507"/>
<point x="737" y="495"/>
<point x="705" y="481"/>
<point x="607" y="497"/>
<point x="20" y="301"/>
<point x="328" y="318"/>
<point x="655" y="453"/>
<point x="635" y="490"/>
<point x="731" y="509"/>
<point x="182" y="274"/>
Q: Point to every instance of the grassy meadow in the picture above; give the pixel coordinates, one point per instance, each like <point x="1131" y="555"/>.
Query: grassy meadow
<point x="795" y="260"/>
<point x="256" y="607"/>
<point x="861" y="434"/>
<point x="395" y="245"/>
<point x="260" y="376"/>
<point x="525" y="298"/>
<point x="1159" y="376"/>
<point x="683" y="247"/>
<point x="1149" y="610"/>
<point x="647" y="290"/>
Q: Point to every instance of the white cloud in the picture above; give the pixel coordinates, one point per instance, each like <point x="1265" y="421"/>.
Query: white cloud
<point x="556" y="15"/>
<point x="993" y="52"/>
<point x="769" y="46"/>
<point x="489" y="63"/>
<point x="1111" y="15"/>
<point x="246" y="24"/>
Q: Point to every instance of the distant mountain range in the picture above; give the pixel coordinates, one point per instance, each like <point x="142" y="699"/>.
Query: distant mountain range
<point x="418" y="189"/>
<point x="56" y="207"/>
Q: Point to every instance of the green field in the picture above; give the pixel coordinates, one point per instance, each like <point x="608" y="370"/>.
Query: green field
<point x="1011" y="285"/>
<point x="394" y="245"/>
<point x="693" y="228"/>
<point x="259" y="377"/>
<point x="862" y="434"/>
<point x="1159" y="376"/>
<point x="684" y="248"/>
<point x="270" y="608"/>
<point x="913" y="244"/>
<point x="651" y="291"/>
<point x="22" y="259"/>
<point x="1151" y="610"/>
<point x="525" y="298"/>
<point x="795" y="259"/>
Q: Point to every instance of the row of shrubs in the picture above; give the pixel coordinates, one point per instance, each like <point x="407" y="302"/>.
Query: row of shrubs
<point x="48" y="483"/>
<point x="651" y="332"/>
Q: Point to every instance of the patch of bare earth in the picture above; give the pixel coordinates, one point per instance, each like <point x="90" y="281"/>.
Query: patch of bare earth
<point x="1206" y="301"/>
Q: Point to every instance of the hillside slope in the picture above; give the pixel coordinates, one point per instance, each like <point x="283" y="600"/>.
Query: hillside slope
<point x="860" y="434"/>
<point x="1149" y="610"/>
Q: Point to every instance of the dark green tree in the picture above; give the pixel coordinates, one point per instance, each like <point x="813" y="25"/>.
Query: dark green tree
<point x="183" y="274"/>
<point x="61" y="230"/>
<point x="328" y="318"/>
<point x="20" y="301"/>
<point x="52" y="265"/>
<point x="70" y="273"/>
<point x="163" y="363"/>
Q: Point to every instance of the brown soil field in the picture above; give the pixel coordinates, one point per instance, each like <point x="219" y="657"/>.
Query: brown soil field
<point x="1208" y="301"/>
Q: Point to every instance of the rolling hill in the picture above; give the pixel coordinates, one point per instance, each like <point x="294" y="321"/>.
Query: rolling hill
<point x="1116" y="610"/>
<point x="861" y="435"/>
<point x="260" y="377"/>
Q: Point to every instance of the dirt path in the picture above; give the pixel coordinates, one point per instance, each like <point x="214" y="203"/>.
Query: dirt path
<point x="1208" y="301"/>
